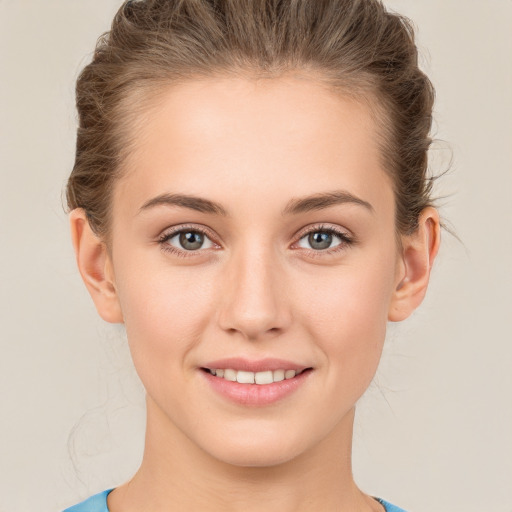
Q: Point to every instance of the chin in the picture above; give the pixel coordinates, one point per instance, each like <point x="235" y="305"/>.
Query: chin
<point x="263" y="457"/>
<point x="257" y="450"/>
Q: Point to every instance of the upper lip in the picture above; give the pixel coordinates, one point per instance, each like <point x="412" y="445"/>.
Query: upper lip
<point x="259" y="365"/>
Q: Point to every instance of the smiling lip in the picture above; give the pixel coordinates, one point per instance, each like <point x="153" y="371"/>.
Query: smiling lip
<point x="261" y="365"/>
<point x="253" y="394"/>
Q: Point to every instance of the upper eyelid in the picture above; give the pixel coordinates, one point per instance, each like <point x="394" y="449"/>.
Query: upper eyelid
<point x="172" y="231"/>
<point x="324" y="227"/>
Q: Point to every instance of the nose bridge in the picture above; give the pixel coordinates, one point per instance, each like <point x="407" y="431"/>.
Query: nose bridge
<point x="254" y="291"/>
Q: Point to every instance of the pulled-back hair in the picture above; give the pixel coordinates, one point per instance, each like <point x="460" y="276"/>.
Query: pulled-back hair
<point x="356" y="46"/>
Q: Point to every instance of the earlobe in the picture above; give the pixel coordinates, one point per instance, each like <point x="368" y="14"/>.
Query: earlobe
<point x="95" y="267"/>
<point x="417" y="257"/>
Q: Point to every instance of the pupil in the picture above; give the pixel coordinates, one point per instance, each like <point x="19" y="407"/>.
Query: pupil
<point x="191" y="240"/>
<point x="320" y="240"/>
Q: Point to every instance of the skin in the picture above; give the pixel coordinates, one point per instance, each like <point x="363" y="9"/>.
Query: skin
<point x="257" y="288"/>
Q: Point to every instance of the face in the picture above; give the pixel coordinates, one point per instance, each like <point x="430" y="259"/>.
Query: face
<point x="253" y="233"/>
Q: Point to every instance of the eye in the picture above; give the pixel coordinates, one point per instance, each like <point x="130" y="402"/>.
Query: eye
<point x="185" y="240"/>
<point x="324" y="239"/>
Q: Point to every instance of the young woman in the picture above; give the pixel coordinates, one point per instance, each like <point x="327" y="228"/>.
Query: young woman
<point x="250" y="200"/>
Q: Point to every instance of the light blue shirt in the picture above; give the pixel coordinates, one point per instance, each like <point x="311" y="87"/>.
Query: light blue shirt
<point x="98" y="503"/>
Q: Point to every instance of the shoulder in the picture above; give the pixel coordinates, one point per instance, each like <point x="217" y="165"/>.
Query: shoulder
<point x="389" y="507"/>
<point x="96" y="503"/>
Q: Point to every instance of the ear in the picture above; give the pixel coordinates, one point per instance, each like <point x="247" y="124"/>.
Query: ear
<point x="95" y="266"/>
<point x="417" y="257"/>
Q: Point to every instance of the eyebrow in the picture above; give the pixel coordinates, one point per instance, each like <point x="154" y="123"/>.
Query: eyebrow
<point x="295" y="206"/>
<point x="323" y="200"/>
<point x="186" y="201"/>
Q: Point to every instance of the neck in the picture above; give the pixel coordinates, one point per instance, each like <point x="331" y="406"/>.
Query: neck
<point x="176" y="474"/>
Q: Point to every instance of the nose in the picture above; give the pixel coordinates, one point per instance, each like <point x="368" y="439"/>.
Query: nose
<point x="254" y="300"/>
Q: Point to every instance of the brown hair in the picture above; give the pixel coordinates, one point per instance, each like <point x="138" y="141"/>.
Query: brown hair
<point x="355" y="45"/>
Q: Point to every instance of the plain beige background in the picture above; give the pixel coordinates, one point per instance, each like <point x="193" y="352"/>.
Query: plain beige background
<point x="433" y="433"/>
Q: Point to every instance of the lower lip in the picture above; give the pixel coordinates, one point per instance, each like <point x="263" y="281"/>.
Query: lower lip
<point x="255" y="395"/>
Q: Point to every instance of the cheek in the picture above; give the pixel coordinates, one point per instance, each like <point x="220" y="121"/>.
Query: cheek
<point x="347" y="316"/>
<point x="165" y="313"/>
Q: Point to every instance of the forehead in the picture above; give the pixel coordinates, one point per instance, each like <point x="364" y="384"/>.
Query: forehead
<point x="250" y="138"/>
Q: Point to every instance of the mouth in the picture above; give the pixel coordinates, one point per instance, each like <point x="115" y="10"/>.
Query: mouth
<point x="255" y="383"/>
<point x="260" y="378"/>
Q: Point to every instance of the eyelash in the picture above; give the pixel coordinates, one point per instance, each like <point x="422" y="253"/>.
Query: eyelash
<point x="345" y="239"/>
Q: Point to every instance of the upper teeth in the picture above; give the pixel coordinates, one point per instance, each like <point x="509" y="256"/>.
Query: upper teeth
<point x="266" y="377"/>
